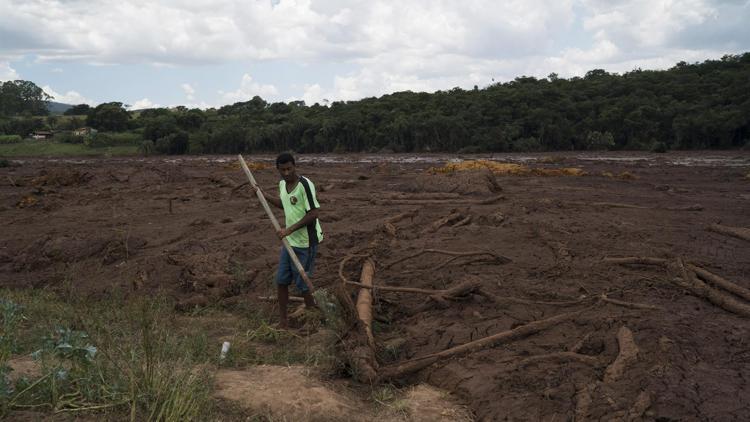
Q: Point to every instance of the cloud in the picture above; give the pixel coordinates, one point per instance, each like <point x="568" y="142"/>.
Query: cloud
<point x="248" y="89"/>
<point x="392" y="45"/>
<point x="143" y="104"/>
<point x="189" y="91"/>
<point x="7" y="73"/>
<point x="70" y="97"/>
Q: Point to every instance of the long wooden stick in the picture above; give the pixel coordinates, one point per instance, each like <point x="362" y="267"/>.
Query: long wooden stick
<point x="276" y="226"/>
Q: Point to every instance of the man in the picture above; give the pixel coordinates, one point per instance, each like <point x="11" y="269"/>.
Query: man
<point x="303" y="232"/>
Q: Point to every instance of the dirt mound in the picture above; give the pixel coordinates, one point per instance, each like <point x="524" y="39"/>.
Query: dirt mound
<point x="69" y="249"/>
<point x="426" y="404"/>
<point x="61" y="177"/>
<point x="481" y="182"/>
<point x="286" y="393"/>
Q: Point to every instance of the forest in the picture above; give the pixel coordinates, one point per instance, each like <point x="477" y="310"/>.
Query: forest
<point x="689" y="106"/>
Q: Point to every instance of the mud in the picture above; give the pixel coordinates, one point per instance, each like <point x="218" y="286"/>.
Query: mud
<point x="186" y="227"/>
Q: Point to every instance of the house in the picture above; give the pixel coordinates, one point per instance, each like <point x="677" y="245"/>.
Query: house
<point x="84" y="131"/>
<point x="42" y="134"/>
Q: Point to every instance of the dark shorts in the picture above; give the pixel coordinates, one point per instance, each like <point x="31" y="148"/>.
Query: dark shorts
<point x="288" y="272"/>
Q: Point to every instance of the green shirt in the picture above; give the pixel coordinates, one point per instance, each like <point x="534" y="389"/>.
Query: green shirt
<point x="296" y="204"/>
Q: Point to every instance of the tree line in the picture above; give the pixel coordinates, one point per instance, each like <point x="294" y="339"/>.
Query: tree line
<point x="689" y="106"/>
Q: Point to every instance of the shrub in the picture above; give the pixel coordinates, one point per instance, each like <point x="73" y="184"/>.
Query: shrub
<point x="68" y="138"/>
<point x="10" y="139"/>
<point x="147" y="147"/>
<point x="659" y="147"/>
<point x="176" y="143"/>
<point x="527" y="145"/>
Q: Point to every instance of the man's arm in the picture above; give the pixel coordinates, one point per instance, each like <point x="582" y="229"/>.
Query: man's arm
<point x="275" y="201"/>
<point x="304" y="221"/>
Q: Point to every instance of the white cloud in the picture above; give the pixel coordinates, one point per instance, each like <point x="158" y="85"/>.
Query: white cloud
<point x="419" y="45"/>
<point x="189" y="91"/>
<point x="248" y="89"/>
<point x="7" y="73"/>
<point x="143" y="104"/>
<point x="70" y="97"/>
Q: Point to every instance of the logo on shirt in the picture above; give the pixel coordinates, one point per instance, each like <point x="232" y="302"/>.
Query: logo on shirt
<point x="293" y="200"/>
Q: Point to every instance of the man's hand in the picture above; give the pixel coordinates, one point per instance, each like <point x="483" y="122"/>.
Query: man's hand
<point x="283" y="233"/>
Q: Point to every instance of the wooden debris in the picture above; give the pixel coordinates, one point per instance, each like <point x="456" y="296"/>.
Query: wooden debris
<point x="558" y="357"/>
<point x="450" y="219"/>
<point x="628" y="354"/>
<point x="583" y="402"/>
<point x="500" y="258"/>
<point x="738" y="232"/>
<point x="639" y="408"/>
<point x="519" y="332"/>
<point x="719" y="281"/>
<point x="631" y="305"/>
<point x="690" y="282"/>
<point x="364" y="300"/>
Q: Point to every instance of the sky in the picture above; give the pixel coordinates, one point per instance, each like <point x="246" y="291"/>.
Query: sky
<point x="209" y="53"/>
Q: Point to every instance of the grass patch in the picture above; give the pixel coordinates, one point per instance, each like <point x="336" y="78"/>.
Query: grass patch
<point x="116" y="358"/>
<point x="136" y="358"/>
<point x="31" y="148"/>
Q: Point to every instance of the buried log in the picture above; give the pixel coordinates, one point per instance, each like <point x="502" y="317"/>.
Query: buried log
<point x="738" y="232"/>
<point x="440" y="296"/>
<point x="627" y="355"/>
<point x="449" y="219"/>
<point x="414" y="365"/>
<point x="558" y="357"/>
<point x="719" y="281"/>
<point x="488" y="201"/>
<point x="690" y="282"/>
<point x="364" y="300"/>
<point x="501" y="258"/>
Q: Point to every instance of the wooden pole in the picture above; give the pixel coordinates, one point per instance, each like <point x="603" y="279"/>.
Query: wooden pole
<point x="276" y="226"/>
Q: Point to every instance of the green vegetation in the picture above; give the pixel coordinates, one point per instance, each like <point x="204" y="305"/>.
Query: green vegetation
<point x="136" y="358"/>
<point x="56" y="149"/>
<point x="10" y="139"/>
<point x="690" y="106"/>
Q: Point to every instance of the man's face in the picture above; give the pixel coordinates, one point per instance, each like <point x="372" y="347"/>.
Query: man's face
<point x="288" y="172"/>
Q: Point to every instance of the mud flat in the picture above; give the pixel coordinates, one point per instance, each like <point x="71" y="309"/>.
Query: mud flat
<point x="652" y="339"/>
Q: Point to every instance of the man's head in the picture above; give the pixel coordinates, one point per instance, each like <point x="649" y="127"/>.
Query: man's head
<point x="285" y="165"/>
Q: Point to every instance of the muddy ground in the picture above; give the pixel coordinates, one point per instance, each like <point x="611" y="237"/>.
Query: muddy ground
<point x="189" y="228"/>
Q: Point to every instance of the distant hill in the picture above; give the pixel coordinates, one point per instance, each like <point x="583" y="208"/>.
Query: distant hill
<point x="57" y="108"/>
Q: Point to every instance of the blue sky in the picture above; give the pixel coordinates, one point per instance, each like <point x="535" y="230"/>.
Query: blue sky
<point x="207" y="53"/>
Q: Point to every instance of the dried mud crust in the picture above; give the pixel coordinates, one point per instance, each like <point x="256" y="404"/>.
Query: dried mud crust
<point x="190" y="228"/>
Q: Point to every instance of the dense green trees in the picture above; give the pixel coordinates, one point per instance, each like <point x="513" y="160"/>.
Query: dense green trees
<point x="22" y="98"/>
<point x="700" y="105"/>
<point x="109" y="116"/>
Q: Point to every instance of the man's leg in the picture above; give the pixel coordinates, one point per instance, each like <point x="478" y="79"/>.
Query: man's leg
<point x="283" y="278"/>
<point x="308" y="262"/>
<point x="282" y="292"/>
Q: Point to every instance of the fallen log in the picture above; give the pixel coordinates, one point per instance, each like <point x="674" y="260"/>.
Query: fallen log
<point x="450" y="219"/>
<point x="558" y="357"/>
<point x="627" y="355"/>
<point x="409" y="214"/>
<point x="631" y="305"/>
<point x="364" y="300"/>
<point x="690" y="282"/>
<point x="414" y="365"/>
<point x="487" y="201"/>
<point x="719" y="281"/>
<point x="444" y="252"/>
<point x="738" y="232"/>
